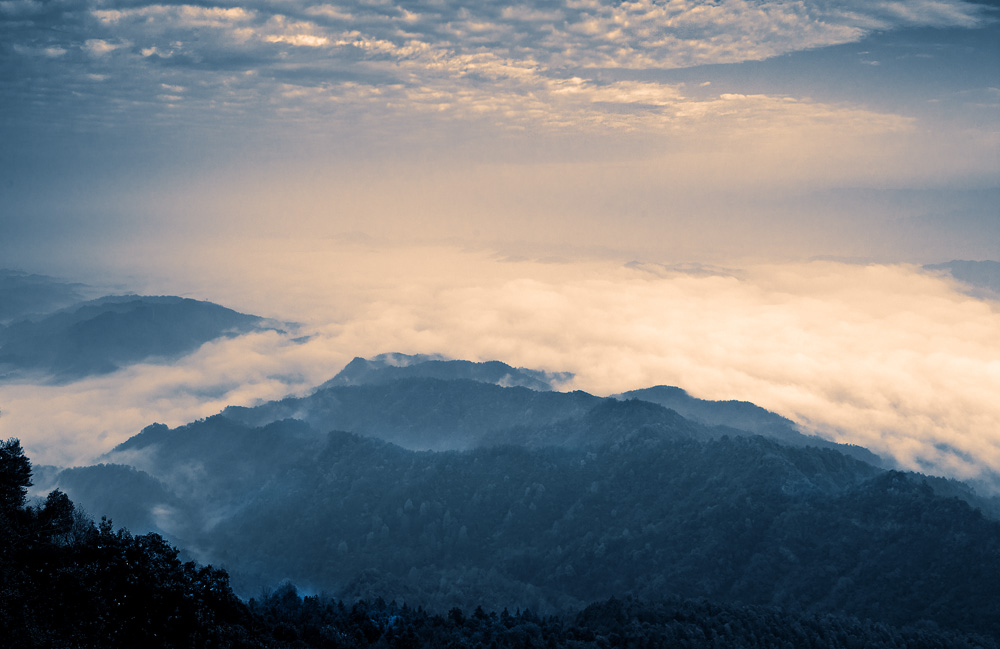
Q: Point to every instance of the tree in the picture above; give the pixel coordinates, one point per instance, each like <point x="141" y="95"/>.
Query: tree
<point x="15" y="476"/>
<point x="56" y="517"/>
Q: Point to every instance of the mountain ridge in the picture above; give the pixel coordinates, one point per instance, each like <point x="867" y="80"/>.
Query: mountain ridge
<point x="442" y="492"/>
<point x="737" y="416"/>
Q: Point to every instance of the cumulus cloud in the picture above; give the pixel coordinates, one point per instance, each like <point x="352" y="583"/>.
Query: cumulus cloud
<point x="507" y="63"/>
<point x="885" y="356"/>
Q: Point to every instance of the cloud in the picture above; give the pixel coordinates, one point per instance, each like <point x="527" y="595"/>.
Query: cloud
<point x="507" y="63"/>
<point x="48" y="52"/>
<point x="88" y="417"/>
<point x="885" y="356"/>
<point x="98" y="47"/>
<point x="301" y="40"/>
<point x="930" y="12"/>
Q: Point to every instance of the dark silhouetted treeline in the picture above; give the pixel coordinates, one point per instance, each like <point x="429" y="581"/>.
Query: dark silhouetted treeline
<point x="66" y="582"/>
<point x="629" y="623"/>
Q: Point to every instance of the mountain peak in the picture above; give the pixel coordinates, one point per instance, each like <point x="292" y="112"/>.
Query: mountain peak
<point x="385" y="368"/>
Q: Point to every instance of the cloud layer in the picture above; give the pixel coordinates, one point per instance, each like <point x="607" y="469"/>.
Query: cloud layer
<point x="885" y="356"/>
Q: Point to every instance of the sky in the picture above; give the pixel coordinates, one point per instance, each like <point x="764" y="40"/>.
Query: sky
<point x="734" y="197"/>
<point x="738" y="128"/>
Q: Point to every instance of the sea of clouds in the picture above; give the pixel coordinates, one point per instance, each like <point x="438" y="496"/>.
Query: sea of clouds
<point x="887" y="356"/>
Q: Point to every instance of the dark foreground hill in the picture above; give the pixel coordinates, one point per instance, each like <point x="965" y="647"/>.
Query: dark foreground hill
<point x="461" y="492"/>
<point x="99" y="336"/>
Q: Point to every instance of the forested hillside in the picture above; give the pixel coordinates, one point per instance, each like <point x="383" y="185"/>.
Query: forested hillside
<point x="741" y="416"/>
<point x="67" y="582"/>
<point x="428" y="413"/>
<point x="556" y="501"/>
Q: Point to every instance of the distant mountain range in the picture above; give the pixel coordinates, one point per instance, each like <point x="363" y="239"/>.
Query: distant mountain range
<point x="102" y="335"/>
<point x="24" y="294"/>
<point x="428" y="481"/>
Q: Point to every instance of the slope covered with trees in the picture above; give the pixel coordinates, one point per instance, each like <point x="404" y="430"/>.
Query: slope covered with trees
<point x="741" y="416"/>
<point x="66" y="582"/>
<point x="456" y="493"/>
<point x="426" y="413"/>
<point x="658" y="508"/>
<point x="69" y="583"/>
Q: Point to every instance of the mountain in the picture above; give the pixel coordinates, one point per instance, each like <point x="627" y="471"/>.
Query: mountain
<point x="226" y="458"/>
<point x="23" y="294"/>
<point x="385" y="368"/>
<point x="733" y="414"/>
<point x="102" y="335"/>
<point x="983" y="277"/>
<point x="549" y="500"/>
<point x="425" y="403"/>
<point x="650" y="513"/>
<point x="68" y="582"/>
<point x="736" y="416"/>
<point x="427" y="413"/>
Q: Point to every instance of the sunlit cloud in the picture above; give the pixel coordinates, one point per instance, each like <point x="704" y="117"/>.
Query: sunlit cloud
<point x="90" y="416"/>
<point x="884" y="356"/>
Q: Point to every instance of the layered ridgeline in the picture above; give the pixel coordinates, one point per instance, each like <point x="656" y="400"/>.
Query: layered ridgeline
<point x="439" y="486"/>
<point x="102" y="335"/>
